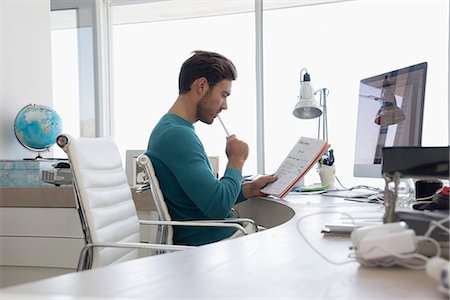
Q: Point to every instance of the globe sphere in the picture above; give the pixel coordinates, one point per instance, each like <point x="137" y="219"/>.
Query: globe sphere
<point x="37" y="126"/>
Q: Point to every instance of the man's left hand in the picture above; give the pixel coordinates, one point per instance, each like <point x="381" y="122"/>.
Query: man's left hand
<point x="253" y="188"/>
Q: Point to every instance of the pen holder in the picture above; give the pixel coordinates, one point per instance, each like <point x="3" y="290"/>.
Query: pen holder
<point x="326" y="174"/>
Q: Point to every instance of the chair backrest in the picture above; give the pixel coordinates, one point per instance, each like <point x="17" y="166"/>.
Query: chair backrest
<point x="105" y="203"/>
<point x="163" y="212"/>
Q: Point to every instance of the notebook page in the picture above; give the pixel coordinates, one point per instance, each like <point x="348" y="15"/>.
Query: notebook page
<point x="299" y="161"/>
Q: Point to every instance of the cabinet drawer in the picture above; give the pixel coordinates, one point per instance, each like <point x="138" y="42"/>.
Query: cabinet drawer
<point x="41" y="222"/>
<point x="40" y="252"/>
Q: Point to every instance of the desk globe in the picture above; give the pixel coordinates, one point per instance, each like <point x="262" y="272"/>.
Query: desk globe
<point x="36" y="127"/>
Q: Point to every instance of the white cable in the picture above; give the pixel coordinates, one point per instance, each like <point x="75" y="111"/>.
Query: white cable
<point x="411" y="266"/>
<point x="434" y="224"/>
<point x="312" y="246"/>
<point x="421" y="200"/>
<point x="395" y="254"/>
<point x="433" y="241"/>
<point x="393" y="260"/>
<point x="429" y="197"/>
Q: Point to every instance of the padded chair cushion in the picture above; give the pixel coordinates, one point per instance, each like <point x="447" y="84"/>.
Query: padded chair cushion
<point x="165" y="216"/>
<point x="158" y="197"/>
<point x="104" y="196"/>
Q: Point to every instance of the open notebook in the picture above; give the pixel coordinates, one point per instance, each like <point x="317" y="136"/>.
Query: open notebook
<point x="305" y="153"/>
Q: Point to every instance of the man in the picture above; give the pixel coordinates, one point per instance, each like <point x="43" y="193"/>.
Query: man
<point x="189" y="186"/>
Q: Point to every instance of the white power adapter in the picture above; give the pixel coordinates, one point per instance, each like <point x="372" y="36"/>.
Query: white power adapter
<point x="382" y="241"/>
<point x="376" y="230"/>
<point x="403" y="242"/>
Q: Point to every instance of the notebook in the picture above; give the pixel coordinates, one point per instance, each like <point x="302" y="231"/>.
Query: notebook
<point x="305" y="153"/>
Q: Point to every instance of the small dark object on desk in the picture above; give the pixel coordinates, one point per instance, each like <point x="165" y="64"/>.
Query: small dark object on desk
<point x="427" y="188"/>
<point x="438" y="202"/>
<point x="328" y="159"/>
<point x="62" y="165"/>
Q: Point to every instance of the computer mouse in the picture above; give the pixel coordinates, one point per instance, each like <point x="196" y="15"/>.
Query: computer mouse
<point x="62" y="165"/>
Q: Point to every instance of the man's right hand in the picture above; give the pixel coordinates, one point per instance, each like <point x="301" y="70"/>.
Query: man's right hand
<point x="237" y="152"/>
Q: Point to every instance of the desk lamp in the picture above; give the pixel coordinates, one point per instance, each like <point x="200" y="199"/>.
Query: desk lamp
<point x="307" y="108"/>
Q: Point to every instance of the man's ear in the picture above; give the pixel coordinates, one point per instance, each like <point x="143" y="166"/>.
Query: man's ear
<point x="201" y="85"/>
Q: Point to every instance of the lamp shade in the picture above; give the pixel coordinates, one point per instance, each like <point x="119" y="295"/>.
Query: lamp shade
<point x="307" y="107"/>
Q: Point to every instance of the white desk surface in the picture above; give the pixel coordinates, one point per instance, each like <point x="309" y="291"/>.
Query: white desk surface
<point x="273" y="264"/>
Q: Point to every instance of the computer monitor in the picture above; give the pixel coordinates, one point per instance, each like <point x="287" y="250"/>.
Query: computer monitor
<point x="390" y="113"/>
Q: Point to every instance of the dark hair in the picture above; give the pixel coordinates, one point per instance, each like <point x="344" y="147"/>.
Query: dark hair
<point x="213" y="66"/>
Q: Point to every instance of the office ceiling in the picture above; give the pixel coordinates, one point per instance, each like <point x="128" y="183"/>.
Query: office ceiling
<point x="144" y="11"/>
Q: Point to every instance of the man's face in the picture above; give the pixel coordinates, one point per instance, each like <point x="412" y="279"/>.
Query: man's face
<point x="212" y="103"/>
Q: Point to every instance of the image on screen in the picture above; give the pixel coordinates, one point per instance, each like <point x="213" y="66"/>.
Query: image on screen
<point x="390" y="113"/>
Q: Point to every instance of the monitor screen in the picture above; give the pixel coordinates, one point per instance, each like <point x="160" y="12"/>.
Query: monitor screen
<point x="390" y="113"/>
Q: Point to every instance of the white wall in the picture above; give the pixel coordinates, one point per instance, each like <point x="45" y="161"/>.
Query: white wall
<point x="25" y="64"/>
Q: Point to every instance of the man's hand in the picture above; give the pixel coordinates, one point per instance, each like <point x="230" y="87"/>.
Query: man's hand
<point x="253" y="188"/>
<point x="237" y="152"/>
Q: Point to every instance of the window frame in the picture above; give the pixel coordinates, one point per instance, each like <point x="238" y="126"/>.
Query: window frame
<point x="93" y="55"/>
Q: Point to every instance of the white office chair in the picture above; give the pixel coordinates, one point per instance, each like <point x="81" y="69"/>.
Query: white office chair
<point x="105" y="204"/>
<point x="165" y="232"/>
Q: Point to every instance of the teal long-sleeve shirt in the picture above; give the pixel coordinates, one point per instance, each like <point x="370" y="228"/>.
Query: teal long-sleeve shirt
<point x="187" y="181"/>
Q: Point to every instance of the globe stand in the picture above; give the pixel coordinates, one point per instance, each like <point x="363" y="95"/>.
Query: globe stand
<point x="38" y="157"/>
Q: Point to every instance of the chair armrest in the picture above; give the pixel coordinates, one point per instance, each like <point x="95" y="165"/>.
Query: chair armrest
<point x="143" y="188"/>
<point x="199" y="223"/>
<point x="159" y="247"/>
<point x="233" y="220"/>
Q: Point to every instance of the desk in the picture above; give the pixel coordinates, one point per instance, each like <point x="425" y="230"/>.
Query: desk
<point x="273" y="264"/>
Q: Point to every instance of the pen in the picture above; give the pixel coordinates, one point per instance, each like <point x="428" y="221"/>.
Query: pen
<point x="223" y="125"/>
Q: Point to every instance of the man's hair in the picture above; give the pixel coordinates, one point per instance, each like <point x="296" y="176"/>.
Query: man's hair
<point x="213" y="66"/>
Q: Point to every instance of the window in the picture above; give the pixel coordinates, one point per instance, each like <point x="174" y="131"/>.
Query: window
<point x="72" y="69"/>
<point x="147" y="59"/>
<point x="340" y="44"/>
<point x="65" y="68"/>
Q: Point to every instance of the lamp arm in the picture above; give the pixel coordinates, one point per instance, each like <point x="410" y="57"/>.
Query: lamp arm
<point x="325" y="115"/>
<point x="323" y="119"/>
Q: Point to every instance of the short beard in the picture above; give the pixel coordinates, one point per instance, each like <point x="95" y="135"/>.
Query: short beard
<point x="201" y="112"/>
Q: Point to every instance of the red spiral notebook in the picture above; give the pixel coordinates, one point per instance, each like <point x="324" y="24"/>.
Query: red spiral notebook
<point x="305" y="153"/>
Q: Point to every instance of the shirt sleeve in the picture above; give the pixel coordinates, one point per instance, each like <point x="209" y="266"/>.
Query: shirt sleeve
<point x="186" y="157"/>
